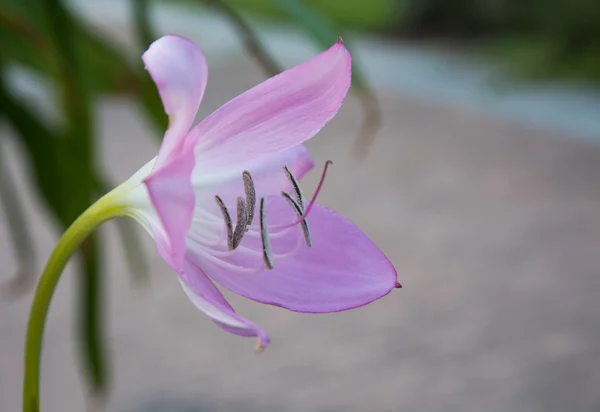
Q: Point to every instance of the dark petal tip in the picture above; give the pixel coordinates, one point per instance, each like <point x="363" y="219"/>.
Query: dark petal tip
<point x="398" y="285"/>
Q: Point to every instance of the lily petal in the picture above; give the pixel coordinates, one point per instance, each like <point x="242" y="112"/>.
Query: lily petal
<point x="280" y="113"/>
<point x="172" y="196"/>
<point x="179" y="70"/>
<point x="206" y="297"/>
<point x="342" y="270"/>
<point x="267" y="174"/>
<point x="151" y="202"/>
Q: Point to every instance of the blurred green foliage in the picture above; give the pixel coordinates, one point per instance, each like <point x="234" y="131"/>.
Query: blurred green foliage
<point x="540" y="37"/>
<point x="353" y="14"/>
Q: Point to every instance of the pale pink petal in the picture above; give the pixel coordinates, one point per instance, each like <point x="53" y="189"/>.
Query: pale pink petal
<point x="206" y="297"/>
<point x="267" y="174"/>
<point x="280" y="113"/>
<point x="342" y="270"/>
<point x="172" y="196"/>
<point x="179" y="70"/>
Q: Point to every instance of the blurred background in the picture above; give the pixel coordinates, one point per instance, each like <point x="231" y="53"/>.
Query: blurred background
<point x="468" y="151"/>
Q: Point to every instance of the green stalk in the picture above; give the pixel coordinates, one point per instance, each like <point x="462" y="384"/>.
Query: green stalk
<point x="106" y="208"/>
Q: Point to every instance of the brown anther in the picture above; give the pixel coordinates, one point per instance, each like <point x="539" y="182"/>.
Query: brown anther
<point x="296" y="186"/>
<point x="240" y="224"/>
<point x="227" y="219"/>
<point x="264" y="236"/>
<point x="299" y="212"/>
<point x="250" y="197"/>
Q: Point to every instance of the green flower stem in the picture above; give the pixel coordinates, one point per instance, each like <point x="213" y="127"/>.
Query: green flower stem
<point x="104" y="209"/>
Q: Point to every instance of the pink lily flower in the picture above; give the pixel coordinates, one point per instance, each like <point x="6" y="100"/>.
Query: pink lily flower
<point x="275" y="248"/>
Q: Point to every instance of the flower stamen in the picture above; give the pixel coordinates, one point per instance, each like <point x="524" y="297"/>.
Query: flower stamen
<point x="311" y="203"/>
<point x="250" y="197"/>
<point x="245" y="214"/>
<point x="234" y="237"/>
<point x="240" y="225"/>
<point x="264" y="236"/>
<point x="227" y="219"/>
<point x="298" y="209"/>
<point x="296" y="187"/>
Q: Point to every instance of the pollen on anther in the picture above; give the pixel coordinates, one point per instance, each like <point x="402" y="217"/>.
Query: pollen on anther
<point x="240" y="224"/>
<point x="296" y="186"/>
<point x="264" y="236"/>
<point x="250" y="197"/>
<point x="299" y="212"/>
<point x="227" y="219"/>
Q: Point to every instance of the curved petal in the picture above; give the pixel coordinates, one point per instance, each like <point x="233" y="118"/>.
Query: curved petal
<point x="267" y="174"/>
<point x="342" y="270"/>
<point x="172" y="196"/>
<point x="279" y="113"/>
<point x="206" y="297"/>
<point x="179" y="70"/>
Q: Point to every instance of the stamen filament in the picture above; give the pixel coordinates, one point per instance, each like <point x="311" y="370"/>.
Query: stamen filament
<point x="245" y="216"/>
<point x="312" y="201"/>
<point x="299" y="211"/>
<point x="296" y="187"/>
<point x="267" y="254"/>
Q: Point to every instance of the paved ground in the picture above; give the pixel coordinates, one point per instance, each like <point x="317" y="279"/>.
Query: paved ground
<point x="493" y="228"/>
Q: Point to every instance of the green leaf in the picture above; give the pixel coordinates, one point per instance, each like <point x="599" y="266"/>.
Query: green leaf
<point x="324" y="31"/>
<point x="19" y="230"/>
<point x="43" y="148"/>
<point x="142" y="23"/>
<point x="78" y="136"/>
<point x="90" y="325"/>
<point x="25" y="40"/>
<point x="21" y="40"/>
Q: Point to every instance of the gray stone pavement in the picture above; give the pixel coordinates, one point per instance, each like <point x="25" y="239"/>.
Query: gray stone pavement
<point x="494" y="229"/>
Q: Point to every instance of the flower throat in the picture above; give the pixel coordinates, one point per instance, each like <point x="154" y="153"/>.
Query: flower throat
<point x="246" y="208"/>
